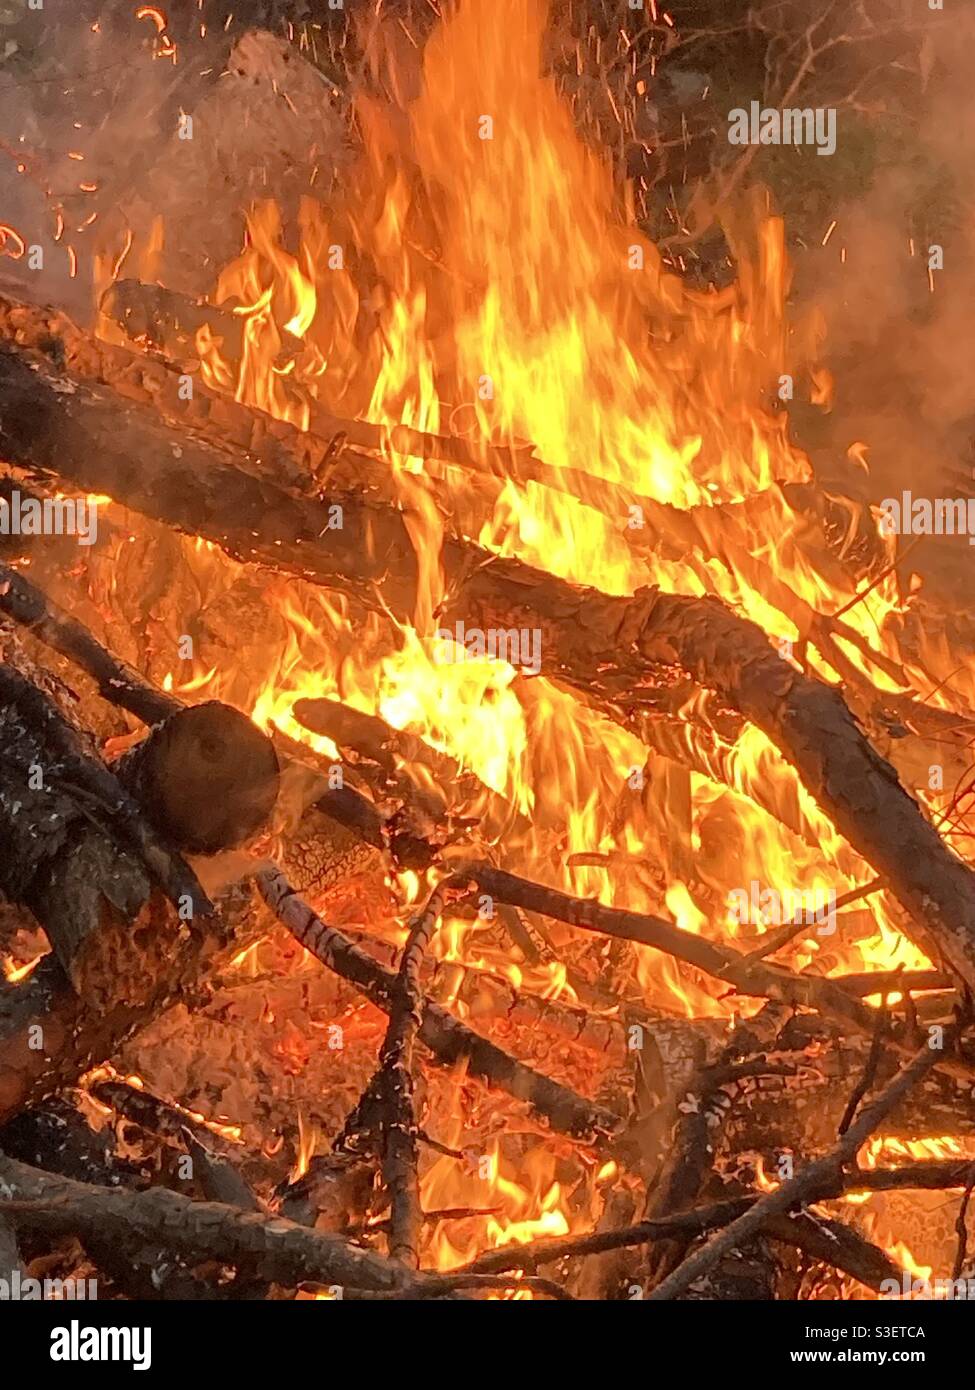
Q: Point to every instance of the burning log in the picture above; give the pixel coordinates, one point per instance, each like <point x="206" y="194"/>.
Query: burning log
<point x="57" y="1135"/>
<point x="586" y="636"/>
<point x="281" y="454"/>
<point x="168" y="321"/>
<point x="589" y="634"/>
<point x="393" y="752"/>
<point x="72" y="1035"/>
<point x="118" y="957"/>
<point x="116" y="680"/>
<point x="397" y="754"/>
<point x="208" y="776"/>
<point x="123" y="450"/>
<point x="141" y="1107"/>
<point x="251" y="784"/>
<point x="271" y="1248"/>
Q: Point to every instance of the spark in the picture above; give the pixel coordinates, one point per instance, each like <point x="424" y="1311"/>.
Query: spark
<point x="6" y="231"/>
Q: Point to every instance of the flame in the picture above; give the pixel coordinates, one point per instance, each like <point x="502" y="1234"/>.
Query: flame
<point x="529" y="323"/>
<point x="522" y="1203"/>
<point x="485" y="276"/>
<point x="14" y="973"/>
<point x="307" y="1143"/>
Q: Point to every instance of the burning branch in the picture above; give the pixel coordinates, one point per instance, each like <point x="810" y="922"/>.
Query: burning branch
<point x="446" y="1038"/>
<point x="393" y="1084"/>
<point x="802" y="1188"/>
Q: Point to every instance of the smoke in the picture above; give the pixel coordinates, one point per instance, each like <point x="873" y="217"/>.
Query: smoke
<point x="898" y="334"/>
<point x="96" y="154"/>
<point x="83" y="103"/>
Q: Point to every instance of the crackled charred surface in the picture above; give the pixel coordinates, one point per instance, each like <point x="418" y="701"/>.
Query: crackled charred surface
<point x="49" y="1036"/>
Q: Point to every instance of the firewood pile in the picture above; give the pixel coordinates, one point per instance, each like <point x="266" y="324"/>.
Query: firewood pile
<point x="298" y="1001"/>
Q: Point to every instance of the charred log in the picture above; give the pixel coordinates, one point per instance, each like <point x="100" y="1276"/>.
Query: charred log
<point x="269" y="1247"/>
<point x="205" y="776"/>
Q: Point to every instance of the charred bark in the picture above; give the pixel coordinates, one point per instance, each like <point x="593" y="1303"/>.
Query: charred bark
<point x="269" y="1247"/>
<point x="205" y="776"/>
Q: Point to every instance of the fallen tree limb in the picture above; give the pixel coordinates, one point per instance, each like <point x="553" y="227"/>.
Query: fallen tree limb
<point x="393" y="1084"/>
<point x="168" y="321"/>
<point x="117" y="681"/>
<point x="842" y="1247"/>
<point x="688" y="1164"/>
<point x="721" y="962"/>
<point x="594" y="635"/>
<point x="488" y="996"/>
<point x="398" y="755"/>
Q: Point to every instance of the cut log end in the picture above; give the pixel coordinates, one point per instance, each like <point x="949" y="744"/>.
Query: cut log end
<point x="206" y="777"/>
